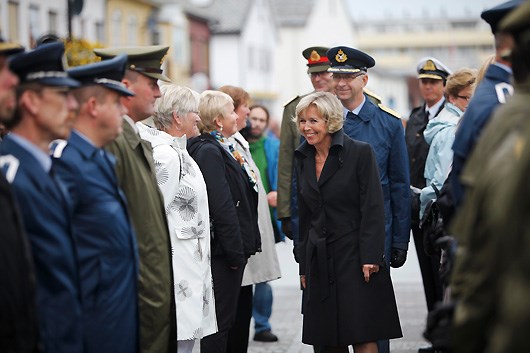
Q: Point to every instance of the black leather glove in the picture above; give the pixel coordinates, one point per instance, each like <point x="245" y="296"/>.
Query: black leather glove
<point x="286" y="227"/>
<point x="397" y="257"/>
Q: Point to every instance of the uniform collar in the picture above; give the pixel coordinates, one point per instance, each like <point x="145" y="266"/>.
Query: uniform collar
<point x="356" y="110"/>
<point x="433" y="110"/>
<point x="43" y="158"/>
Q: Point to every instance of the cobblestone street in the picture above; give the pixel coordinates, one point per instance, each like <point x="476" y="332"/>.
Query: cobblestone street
<point x="286" y="319"/>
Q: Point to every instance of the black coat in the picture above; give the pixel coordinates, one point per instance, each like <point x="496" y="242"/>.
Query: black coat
<point x="18" y="312"/>
<point x="417" y="147"/>
<point x="232" y="202"/>
<point x="342" y="227"/>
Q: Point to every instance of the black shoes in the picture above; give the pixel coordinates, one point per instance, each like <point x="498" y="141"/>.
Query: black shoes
<point x="426" y="350"/>
<point x="265" y="336"/>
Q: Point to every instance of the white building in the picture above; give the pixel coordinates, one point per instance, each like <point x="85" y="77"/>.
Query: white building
<point x="26" y="20"/>
<point x="243" y="47"/>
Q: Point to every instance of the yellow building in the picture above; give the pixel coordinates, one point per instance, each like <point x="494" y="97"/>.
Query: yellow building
<point x="131" y="22"/>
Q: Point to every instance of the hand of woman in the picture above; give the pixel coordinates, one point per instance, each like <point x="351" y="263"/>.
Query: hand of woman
<point x="272" y="198"/>
<point x="368" y="269"/>
<point x="302" y="281"/>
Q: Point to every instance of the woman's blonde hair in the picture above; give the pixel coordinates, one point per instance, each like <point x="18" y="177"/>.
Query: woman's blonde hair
<point x="328" y="106"/>
<point x="211" y="106"/>
<point x="180" y="100"/>
<point x="459" y="80"/>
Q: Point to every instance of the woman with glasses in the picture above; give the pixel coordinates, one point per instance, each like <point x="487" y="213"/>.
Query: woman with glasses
<point x="186" y="203"/>
<point x="440" y="132"/>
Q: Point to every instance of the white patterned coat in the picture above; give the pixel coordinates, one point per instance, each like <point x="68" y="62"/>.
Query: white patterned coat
<point x="186" y="203"/>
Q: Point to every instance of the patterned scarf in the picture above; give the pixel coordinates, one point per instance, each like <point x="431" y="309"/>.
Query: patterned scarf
<point x="238" y="157"/>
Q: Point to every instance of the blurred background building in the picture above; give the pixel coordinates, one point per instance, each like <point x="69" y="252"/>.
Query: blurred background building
<point x="257" y="44"/>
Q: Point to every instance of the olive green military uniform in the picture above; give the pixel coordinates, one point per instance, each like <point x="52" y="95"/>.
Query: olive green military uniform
<point x="493" y="273"/>
<point x="289" y="141"/>
<point x="136" y="175"/>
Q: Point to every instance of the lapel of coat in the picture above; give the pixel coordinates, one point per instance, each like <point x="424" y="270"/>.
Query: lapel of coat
<point x="307" y="165"/>
<point x="334" y="160"/>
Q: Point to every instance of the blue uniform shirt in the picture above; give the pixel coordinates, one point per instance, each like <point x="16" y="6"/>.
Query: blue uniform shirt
<point x="385" y="134"/>
<point x="46" y="215"/>
<point x="494" y="89"/>
<point x="106" y="246"/>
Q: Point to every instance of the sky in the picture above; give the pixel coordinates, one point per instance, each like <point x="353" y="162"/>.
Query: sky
<point x="399" y="9"/>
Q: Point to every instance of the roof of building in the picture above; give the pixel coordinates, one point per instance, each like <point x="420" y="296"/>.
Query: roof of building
<point x="292" y="13"/>
<point x="228" y="15"/>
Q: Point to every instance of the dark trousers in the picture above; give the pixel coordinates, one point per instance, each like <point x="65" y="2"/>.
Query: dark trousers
<point x="429" y="266"/>
<point x="226" y="286"/>
<point x="238" y="334"/>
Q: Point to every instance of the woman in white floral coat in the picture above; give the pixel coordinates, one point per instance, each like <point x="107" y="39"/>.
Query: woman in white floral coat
<point x="186" y="203"/>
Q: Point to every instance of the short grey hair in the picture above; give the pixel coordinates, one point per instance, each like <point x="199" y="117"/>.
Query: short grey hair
<point x="180" y="100"/>
<point x="327" y="104"/>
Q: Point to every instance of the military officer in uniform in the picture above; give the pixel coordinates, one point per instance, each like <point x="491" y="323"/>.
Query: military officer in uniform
<point x="18" y="312"/>
<point x="382" y="129"/>
<point x="432" y="75"/>
<point x="317" y="66"/>
<point x="44" y="112"/>
<point x="493" y="90"/>
<point x="105" y="240"/>
<point x="491" y="274"/>
<point x="136" y="176"/>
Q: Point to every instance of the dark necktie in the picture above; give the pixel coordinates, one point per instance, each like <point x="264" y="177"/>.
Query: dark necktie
<point x="351" y="115"/>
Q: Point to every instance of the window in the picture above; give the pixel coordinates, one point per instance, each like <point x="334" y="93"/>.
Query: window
<point x="115" y="29"/>
<point x="100" y="35"/>
<point x="34" y="24"/>
<point x="13" y="33"/>
<point x="52" y="22"/>
<point x="132" y="31"/>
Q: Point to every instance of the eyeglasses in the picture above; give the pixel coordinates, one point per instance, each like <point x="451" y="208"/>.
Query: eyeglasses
<point x="347" y="78"/>
<point x="467" y="98"/>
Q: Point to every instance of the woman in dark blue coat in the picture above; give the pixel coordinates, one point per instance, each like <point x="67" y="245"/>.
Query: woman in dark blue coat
<point x="348" y="297"/>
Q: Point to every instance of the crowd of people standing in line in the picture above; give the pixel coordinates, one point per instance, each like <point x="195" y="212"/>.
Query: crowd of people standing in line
<point x="141" y="216"/>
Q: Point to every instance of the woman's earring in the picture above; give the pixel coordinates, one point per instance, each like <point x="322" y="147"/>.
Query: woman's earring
<point x="221" y="128"/>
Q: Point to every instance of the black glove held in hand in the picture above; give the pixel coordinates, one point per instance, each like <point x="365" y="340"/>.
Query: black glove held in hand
<point x="397" y="257"/>
<point x="286" y="227"/>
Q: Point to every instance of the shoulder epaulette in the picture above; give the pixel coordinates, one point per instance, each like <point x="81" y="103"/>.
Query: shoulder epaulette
<point x="291" y="100"/>
<point x="389" y="111"/>
<point x="57" y="148"/>
<point x="372" y="94"/>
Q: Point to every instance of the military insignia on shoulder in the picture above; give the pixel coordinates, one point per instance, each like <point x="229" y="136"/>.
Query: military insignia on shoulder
<point x="57" y="148"/>
<point x="10" y="163"/>
<point x="375" y="98"/>
<point x="290" y="101"/>
<point x="389" y="111"/>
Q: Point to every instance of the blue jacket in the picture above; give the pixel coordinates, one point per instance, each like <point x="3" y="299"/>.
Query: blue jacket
<point x="45" y="211"/>
<point x="271" y="145"/>
<point x="106" y="246"/>
<point x="439" y="134"/>
<point x="385" y="134"/>
<point x="492" y="91"/>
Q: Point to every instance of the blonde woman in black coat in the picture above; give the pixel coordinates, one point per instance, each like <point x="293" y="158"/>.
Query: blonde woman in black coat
<point x="348" y="296"/>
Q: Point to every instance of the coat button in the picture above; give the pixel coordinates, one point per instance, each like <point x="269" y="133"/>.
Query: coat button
<point x="418" y="134"/>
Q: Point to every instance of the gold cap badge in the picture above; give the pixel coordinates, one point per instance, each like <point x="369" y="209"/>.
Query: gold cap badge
<point x="341" y="56"/>
<point x="429" y="66"/>
<point x="314" y="56"/>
